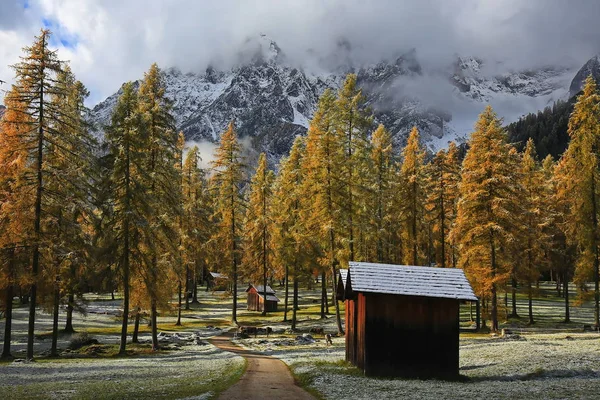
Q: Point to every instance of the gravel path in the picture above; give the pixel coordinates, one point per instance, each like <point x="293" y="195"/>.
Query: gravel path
<point x="265" y="378"/>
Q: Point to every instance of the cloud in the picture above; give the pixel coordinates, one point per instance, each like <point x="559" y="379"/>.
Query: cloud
<point x="206" y="150"/>
<point x="112" y="41"/>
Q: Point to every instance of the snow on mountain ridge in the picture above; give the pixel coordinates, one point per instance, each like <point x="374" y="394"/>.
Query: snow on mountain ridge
<point x="272" y="102"/>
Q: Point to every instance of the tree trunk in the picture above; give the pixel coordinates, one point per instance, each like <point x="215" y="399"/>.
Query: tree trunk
<point x="566" y="292"/>
<point x="155" y="346"/>
<point x="514" y="313"/>
<point x="178" y="323"/>
<point x="287" y="290"/>
<point x="334" y="287"/>
<point x="187" y="288"/>
<point x="136" y="326"/>
<point x="471" y="311"/>
<point x="54" y="348"/>
<point x="494" y="313"/>
<point x="264" y="262"/>
<point x="530" y="302"/>
<point x="195" y="287"/>
<point x="323" y="294"/>
<point x="69" y="323"/>
<point x="8" y="323"/>
<point x="125" y="320"/>
<point x="295" y="302"/>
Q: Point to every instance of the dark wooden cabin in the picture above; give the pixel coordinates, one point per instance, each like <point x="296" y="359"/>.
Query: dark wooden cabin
<point x="217" y="281"/>
<point x="403" y="321"/>
<point x="256" y="299"/>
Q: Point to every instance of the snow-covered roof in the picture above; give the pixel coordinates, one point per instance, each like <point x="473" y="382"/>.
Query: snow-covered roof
<point x="270" y="297"/>
<point x="217" y="275"/>
<point x="450" y="283"/>
<point x="259" y="289"/>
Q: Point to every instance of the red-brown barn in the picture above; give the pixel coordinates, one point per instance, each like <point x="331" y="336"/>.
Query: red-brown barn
<point x="256" y="300"/>
<point x="403" y="321"/>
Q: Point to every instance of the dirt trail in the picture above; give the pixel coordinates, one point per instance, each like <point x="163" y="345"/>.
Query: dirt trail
<point x="265" y="378"/>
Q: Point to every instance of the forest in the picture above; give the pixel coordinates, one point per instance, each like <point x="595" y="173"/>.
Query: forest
<point x="138" y="215"/>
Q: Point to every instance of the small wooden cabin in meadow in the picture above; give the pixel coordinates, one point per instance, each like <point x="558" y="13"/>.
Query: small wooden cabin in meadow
<point x="403" y="321"/>
<point x="217" y="281"/>
<point x="256" y="299"/>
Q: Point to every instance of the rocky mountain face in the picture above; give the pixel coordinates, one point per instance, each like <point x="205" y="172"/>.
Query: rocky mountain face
<point x="271" y="102"/>
<point x="592" y="67"/>
<point x="2" y="110"/>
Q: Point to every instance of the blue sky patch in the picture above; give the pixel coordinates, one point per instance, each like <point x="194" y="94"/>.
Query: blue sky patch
<point x="59" y="35"/>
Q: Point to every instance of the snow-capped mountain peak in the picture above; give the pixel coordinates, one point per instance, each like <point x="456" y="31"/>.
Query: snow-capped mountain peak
<point x="272" y="102"/>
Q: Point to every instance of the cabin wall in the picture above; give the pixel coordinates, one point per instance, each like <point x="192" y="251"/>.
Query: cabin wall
<point x="256" y="302"/>
<point x="351" y="330"/>
<point x="407" y="336"/>
<point x="361" y="331"/>
<point x="253" y="301"/>
<point x="271" y="306"/>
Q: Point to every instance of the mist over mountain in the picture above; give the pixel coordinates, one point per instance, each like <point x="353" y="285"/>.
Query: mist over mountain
<point x="271" y="100"/>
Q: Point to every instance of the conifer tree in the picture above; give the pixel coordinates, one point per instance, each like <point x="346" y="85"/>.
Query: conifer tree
<point x="533" y="254"/>
<point x="412" y="178"/>
<point x="182" y="270"/>
<point x="291" y="243"/>
<point x="161" y="241"/>
<point x="70" y="164"/>
<point x="580" y="174"/>
<point x="37" y="80"/>
<point x="396" y="230"/>
<point x="259" y="225"/>
<point x="487" y="223"/>
<point x="381" y="155"/>
<point x="229" y="204"/>
<point x="562" y="252"/>
<point x="129" y="184"/>
<point x="15" y="213"/>
<point x="453" y="177"/>
<point x="198" y="210"/>
<point x="352" y="119"/>
<point x="443" y="176"/>
<point x="324" y="185"/>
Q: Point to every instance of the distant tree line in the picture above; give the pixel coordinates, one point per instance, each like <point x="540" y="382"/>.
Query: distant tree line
<point x="548" y="129"/>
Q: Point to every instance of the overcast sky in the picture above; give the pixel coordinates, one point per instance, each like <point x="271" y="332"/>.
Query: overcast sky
<point x="112" y="41"/>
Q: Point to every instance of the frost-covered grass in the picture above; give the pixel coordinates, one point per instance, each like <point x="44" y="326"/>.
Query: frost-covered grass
<point x="186" y="368"/>
<point x="535" y="366"/>
<point x="192" y="371"/>
<point x="548" y="310"/>
<point x="96" y="372"/>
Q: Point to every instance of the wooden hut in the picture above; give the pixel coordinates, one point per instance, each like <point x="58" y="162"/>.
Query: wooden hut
<point x="217" y="281"/>
<point x="256" y="299"/>
<point x="403" y="321"/>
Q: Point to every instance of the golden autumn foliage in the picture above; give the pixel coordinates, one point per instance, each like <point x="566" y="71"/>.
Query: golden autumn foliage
<point x="580" y="172"/>
<point x="488" y="223"/>
<point x="258" y="228"/>
<point x="412" y="204"/>
<point x="229" y="207"/>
